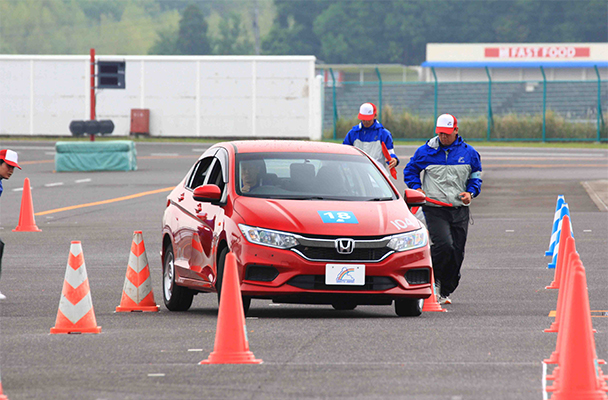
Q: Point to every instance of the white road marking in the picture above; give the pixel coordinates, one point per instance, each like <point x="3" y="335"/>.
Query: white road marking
<point x="510" y="230"/>
<point x="53" y="184"/>
<point x="19" y="189"/>
<point x="83" y="180"/>
<point x="165" y="154"/>
<point x="153" y="375"/>
<point x="49" y="153"/>
<point x="587" y="230"/>
<point x="198" y="150"/>
<point x="195" y="349"/>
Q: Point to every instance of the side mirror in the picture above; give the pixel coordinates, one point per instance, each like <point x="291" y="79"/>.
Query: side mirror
<point x="207" y="193"/>
<point x="414" y="198"/>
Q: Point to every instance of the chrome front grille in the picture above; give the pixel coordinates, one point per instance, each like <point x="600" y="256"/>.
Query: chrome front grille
<point x="326" y="249"/>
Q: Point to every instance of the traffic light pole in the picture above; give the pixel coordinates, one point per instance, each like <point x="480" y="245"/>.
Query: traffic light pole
<point x="93" y="116"/>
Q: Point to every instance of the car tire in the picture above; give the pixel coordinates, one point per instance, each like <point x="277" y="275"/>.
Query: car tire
<point x="408" y="307"/>
<point x="220" y="278"/>
<point x="344" y="305"/>
<point x="176" y="298"/>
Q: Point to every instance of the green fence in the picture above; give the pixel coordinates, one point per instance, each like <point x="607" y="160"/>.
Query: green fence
<point x="544" y="110"/>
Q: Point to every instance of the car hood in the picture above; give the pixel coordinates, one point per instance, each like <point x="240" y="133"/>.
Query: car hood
<point x="334" y="218"/>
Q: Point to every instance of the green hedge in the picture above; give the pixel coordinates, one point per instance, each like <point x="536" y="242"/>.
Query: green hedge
<point x="407" y="126"/>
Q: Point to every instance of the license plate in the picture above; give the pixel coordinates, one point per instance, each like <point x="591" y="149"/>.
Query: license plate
<point x="345" y="274"/>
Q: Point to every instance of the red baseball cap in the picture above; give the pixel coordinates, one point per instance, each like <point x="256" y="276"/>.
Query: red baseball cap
<point x="446" y="123"/>
<point x="367" y="112"/>
<point x="10" y="157"/>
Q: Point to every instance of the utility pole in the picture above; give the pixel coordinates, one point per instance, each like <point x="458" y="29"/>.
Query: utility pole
<point x="256" y="27"/>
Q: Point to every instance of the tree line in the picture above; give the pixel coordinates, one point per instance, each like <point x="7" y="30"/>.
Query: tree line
<point x="335" y="31"/>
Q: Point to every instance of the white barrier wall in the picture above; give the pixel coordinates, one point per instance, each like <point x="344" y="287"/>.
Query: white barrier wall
<point x="198" y="96"/>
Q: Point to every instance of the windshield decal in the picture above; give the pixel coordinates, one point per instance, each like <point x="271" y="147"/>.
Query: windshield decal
<point x="338" y="217"/>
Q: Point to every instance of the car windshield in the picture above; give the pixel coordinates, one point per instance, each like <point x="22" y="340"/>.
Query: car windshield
<point x="310" y="176"/>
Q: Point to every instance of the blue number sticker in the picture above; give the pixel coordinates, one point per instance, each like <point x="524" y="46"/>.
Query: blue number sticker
<point x="338" y="217"/>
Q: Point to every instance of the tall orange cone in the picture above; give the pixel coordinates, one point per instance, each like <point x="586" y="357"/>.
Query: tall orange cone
<point x="570" y="251"/>
<point x="26" y="215"/>
<point x="579" y="376"/>
<point x="431" y="304"/>
<point x="231" y="344"/>
<point x="137" y="294"/>
<point x="76" y="314"/>
<point x="561" y="256"/>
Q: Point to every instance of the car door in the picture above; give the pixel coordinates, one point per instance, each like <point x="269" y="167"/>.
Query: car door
<point x="187" y="244"/>
<point x="211" y="216"/>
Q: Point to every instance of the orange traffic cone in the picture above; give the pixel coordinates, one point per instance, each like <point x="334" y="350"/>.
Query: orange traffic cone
<point x="26" y="215"/>
<point x="561" y="256"/>
<point x="76" y="314"/>
<point x="137" y="294"/>
<point x="231" y="344"/>
<point x="579" y="377"/>
<point x="570" y="251"/>
<point x="431" y="304"/>
<point x="2" y="395"/>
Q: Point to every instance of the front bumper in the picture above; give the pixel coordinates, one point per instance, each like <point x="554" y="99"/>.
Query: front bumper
<point x="302" y="281"/>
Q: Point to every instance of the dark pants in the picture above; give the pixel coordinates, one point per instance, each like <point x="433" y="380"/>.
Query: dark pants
<point x="448" y="230"/>
<point x="1" y="253"/>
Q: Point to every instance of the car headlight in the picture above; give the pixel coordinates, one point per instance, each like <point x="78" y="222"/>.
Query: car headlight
<point x="409" y="240"/>
<point x="267" y="237"/>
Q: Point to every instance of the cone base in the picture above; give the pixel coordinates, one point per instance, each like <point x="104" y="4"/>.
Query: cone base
<point x="553" y="285"/>
<point x="29" y="228"/>
<point x="553" y="328"/>
<point x="135" y="309"/>
<point x="96" y="329"/>
<point x="3" y="397"/>
<point x="244" y="357"/>
<point x="433" y="308"/>
<point x="598" y="394"/>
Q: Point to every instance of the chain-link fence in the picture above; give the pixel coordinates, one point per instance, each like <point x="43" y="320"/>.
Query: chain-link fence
<point x="522" y="110"/>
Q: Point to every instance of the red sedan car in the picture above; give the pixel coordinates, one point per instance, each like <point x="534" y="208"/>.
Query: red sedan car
<point x="308" y="222"/>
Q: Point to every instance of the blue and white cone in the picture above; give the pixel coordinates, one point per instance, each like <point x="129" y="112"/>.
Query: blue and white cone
<point x="553" y="262"/>
<point x="556" y="217"/>
<point x="565" y="210"/>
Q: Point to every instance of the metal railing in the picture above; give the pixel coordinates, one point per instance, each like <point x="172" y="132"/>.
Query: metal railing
<point x="535" y="110"/>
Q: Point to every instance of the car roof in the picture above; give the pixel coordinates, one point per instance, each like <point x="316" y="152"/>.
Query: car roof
<point x="293" y="146"/>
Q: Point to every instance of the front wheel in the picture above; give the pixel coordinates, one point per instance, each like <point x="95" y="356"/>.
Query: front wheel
<point x="408" y="307"/>
<point x="221" y="262"/>
<point x="176" y="298"/>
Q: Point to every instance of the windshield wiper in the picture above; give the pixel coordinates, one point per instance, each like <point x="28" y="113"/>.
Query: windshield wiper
<point x="381" y="199"/>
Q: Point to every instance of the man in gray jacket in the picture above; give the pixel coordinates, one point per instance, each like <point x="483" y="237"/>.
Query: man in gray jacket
<point x="452" y="175"/>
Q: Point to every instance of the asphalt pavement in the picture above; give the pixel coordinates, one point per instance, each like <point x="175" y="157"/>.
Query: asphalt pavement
<point x="489" y="345"/>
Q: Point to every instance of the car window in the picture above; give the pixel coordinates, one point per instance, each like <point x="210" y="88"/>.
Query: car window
<point x="199" y="173"/>
<point x="308" y="176"/>
<point x="215" y="177"/>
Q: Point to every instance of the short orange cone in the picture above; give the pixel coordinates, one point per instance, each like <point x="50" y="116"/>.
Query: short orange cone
<point x="26" y="215"/>
<point x="76" y="314"/>
<point x="561" y="256"/>
<point x="431" y="304"/>
<point x="2" y="395"/>
<point x="231" y="344"/>
<point x="579" y="376"/>
<point x="137" y="294"/>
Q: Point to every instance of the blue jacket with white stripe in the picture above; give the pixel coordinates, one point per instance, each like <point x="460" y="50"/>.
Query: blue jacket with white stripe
<point x="448" y="171"/>
<point x="370" y="141"/>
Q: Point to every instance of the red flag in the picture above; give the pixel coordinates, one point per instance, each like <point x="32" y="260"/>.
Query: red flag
<point x="388" y="157"/>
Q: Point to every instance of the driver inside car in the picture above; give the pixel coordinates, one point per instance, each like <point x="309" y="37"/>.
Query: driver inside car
<point x="251" y="172"/>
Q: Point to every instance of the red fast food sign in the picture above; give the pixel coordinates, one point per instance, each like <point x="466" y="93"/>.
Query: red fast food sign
<point x="560" y="52"/>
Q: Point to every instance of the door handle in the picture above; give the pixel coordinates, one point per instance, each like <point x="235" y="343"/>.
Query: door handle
<point x="181" y="197"/>
<point x="199" y="208"/>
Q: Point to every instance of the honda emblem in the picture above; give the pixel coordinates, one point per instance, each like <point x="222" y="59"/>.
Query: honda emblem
<point x="345" y="245"/>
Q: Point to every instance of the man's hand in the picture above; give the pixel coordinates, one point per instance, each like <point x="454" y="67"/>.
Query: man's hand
<point x="392" y="163"/>
<point x="421" y="191"/>
<point x="465" y="197"/>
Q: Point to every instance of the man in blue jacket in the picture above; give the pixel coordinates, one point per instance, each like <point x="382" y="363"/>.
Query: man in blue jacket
<point x="452" y="175"/>
<point x="369" y="136"/>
